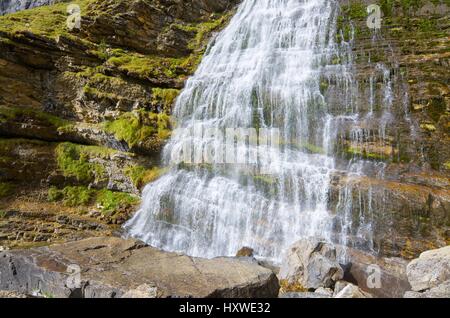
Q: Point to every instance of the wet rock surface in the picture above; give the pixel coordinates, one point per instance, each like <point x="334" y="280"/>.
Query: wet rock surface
<point x="113" y="267"/>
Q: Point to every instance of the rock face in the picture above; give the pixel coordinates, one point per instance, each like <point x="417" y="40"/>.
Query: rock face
<point x="10" y="6"/>
<point x="408" y="202"/>
<point x="378" y="276"/>
<point x="312" y="264"/>
<point x="89" y="109"/>
<point x="114" y="267"/>
<point x="430" y="270"/>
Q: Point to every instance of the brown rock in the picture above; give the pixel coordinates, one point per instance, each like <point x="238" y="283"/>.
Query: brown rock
<point x="245" y="252"/>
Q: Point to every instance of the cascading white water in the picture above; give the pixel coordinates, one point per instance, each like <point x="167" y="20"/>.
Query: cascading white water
<point x="262" y="71"/>
<point x="267" y="70"/>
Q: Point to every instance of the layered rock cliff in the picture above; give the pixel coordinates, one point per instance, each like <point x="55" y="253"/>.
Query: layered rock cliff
<point x="401" y="74"/>
<point x="85" y="111"/>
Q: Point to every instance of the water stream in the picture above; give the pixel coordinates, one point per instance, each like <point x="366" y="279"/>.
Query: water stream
<point x="266" y="70"/>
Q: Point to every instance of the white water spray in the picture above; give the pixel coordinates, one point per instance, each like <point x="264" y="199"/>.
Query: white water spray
<point x="265" y="70"/>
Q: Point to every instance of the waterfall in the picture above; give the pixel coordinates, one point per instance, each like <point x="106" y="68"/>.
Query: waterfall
<point x="266" y="70"/>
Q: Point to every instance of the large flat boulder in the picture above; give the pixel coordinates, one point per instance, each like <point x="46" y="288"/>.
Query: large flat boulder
<point x="430" y="270"/>
<point x="114" y="267"/>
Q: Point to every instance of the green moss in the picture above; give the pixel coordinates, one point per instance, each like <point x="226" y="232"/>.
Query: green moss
<point x="447" y="165"/>
<point x="111" y="202"/>
<point x="14" y="113"/>
<point x="108" y="201"/>
<point x="428" y="127"/>
<point x="203" y="30"/>
<point x="97" y="94"/>
<point x="147" y="67"/>
<point x="6" y="189"/>
<point x="142" y="176"/>
<point x="355" y="11"/>
<point x="352" y="152"/>
<point x="136" y="127"/>
<point x="71" y="196"/>
<point x="73" y="161"/>
<point x="46" y="20"/>
<point x="54" y="194"/>
<point x="164" y="97"/>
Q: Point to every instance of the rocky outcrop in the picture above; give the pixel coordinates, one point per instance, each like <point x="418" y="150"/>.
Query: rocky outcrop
<point x="84" y="113"/>
<point x="114" y="267"/>
<point x="407" y="216"/>
<point x="10" y="6"/>
<point x="430" y="270"/>
<point x="378" y="276"/>
<point x="311" y="264"/>
<point x="407" y="138"/>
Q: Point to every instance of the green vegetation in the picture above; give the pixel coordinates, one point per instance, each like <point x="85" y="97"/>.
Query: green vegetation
<point x="352" y="152"/>
<point x="46" y="20"/>
<point x="164" y="97"/>
<point x="71" y="196"/>
<point x="355" y="11"/>
<point x="13" y="113"/>
<point x="108" y="201"/>
<point x="111" y="202"/>
<point x="142" y="176"/>
<point x="147" y="66"/>
<point x="6" y="189"/>
<point x="140" y="126"/>
<point x="92" y="91"/>
<point x="428" y="127"/>
<point x="202" y="30"/>
<point x="73" y="161"/>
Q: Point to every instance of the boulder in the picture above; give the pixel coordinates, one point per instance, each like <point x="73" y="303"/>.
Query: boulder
<point x="324" y="291"/>
<point x="352" y="291"/>
<point x="114" y="267"/>
<point x="245" y="252"/>
<point x="441" y="291"/>
<point x="383" y="277"/>
<point x="430" y="270"/>
<point x="312" y="264"/>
